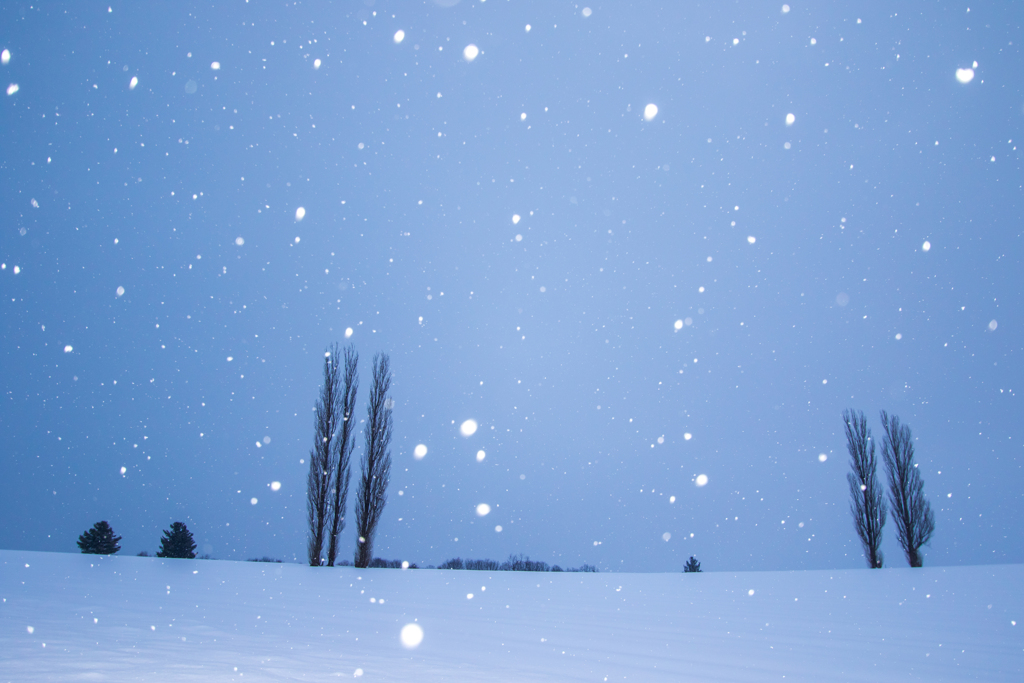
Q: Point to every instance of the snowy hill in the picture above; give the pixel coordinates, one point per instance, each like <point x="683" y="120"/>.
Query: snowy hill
<point x="71" y="617"/>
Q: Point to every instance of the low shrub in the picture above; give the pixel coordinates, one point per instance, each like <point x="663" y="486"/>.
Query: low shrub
<point x="514" y="563"/>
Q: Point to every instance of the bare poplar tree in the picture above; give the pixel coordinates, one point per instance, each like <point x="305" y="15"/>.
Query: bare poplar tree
<point x="866" y="502"/>
<point x="375" y="469"/>
<point x="321" y="465"/>
<point x="346" y="443"/>
<point x="915" y="522"/>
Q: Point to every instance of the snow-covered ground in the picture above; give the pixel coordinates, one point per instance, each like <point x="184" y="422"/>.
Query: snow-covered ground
<point x="68" y="617"/>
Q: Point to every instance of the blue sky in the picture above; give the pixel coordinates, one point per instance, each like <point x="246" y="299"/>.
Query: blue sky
<point x="820" y="214"/>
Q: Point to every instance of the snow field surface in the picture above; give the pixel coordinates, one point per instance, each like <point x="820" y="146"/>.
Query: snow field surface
<point x="66" y="617"/>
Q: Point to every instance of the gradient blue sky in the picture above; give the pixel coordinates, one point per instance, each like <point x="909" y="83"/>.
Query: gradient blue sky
<point x="794" y="255"/>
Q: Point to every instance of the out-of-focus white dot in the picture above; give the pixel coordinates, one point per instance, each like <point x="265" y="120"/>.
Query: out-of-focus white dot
<point x="300" y="213"/>
<point x="12" y="88"/>
<point x="253" y="501"/>
<point x="317" y="63"/>
<point x="992" y="325"/>
<point x="650" y="111"/>
<point x="134" y="82"/>
<point x="750" y="592"/>
<point x="519" y="238"/>
<point x="230" y="358"/>
<point x="497" y="529"/>
<point x="790" y="119"/>
<point x="483" y="509"/>
<point x="788" y="145"/>
<point x="297" y="239"/>
<point x="926" y="246"/>
<point x="30" y="629"/>
<point x="123" y="470"/>
<point x="348" y="332"/>
<point x="120" y="291"/>
<point x="438" y="95"/>
<point x="468" y="428"/>
<point x="707" y="39"/>
<point x="678" y="324"/>
<point x="469" y="596"/>
<point x="992" y="159"/>
<point x="275" y="486"/>
<point x="480" y="455"/>
<point x="671" y="499"/>
<point x="357" y="673"/>
<point x="528" y="27"/>
<point x="543" y="289"/>
<point x="710" y="259"/>
<point x="419" y="452"/>
<point x="666" y="536"/>
<point x="751" y="239"/>
<point x="700" y="289"/>
<point x="785" y="10"/>
<point x="399" y="36"/>
<point x="69" y="348"/>
<point x="360" y="145"/>
<point x="687" y="436"/>
<point x="215" y="66"/>
<point x="5" y="57"/>
<point x="522" y="477"/>
<point x="898" y="336"/>
<point x="822" y="457"/>
<point x="239" y="241"/>
<point x="412" y="635"/>
<point x="515" y="218"/>
<point x="470" y="52"/>
<point x="824" y="381"/>
<point x="965" y="75"/>
<point x="586" y="12"/>
<point x="702" y="480"/>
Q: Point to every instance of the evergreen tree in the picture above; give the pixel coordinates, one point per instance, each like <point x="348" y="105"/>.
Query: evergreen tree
<point x="177" y="542"/>
<point x="99" y="540"/>
<point x="692" y="565"/>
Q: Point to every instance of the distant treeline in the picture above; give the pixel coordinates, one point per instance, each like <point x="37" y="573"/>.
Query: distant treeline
<point x="514" y="563"/>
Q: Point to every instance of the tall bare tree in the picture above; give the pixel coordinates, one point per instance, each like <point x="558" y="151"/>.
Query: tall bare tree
<point x="867" y="504"/>
<point x="346" y="443"/>
<point x="321" y="466"/>
<point x="915" y="522"/>
<point x="375" y="468"/>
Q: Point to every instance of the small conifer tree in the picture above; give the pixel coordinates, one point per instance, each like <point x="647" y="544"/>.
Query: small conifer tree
<point x="692" y="565"/>
<point x="177" y="542"/>
<point x="99" y="540"/>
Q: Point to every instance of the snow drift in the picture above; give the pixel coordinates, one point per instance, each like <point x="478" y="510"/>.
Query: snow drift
<point x="94" y="618"/>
